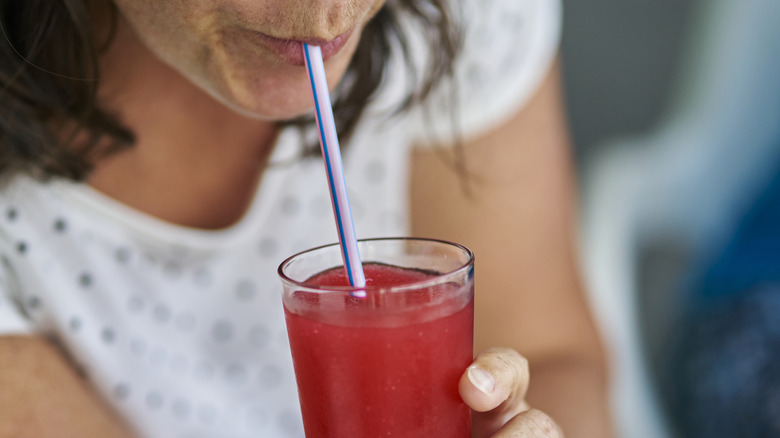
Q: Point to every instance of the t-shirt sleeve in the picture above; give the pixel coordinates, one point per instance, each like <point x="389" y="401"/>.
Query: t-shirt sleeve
<point x="508" y="48"/>
<point x="12" y="318"/>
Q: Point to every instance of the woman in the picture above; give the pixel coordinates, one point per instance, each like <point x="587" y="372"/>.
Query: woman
<point x="152" y="274"/>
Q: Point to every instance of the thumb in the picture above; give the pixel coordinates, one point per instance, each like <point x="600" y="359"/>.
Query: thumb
<point x="498" y="378"/>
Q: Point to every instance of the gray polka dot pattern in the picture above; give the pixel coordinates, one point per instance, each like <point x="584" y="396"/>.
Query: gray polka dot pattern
<point x="236" y="374"/>
<point x="180" y="330"/>
<point x="161" y="313"/>
<point x="267" y="247"/>
<point x="202" y="277"/>
<point x="122" y="255"/>
<point x="290" y="206"/>
<point x="245" y="290"/>
<point x="60" y="226"/>
<point x="172" y="269"/>
<point x="223" y="331"/>
<point x="150" y="258"/>
<point x="85" y="280"/>
<point x="33" y="303"/>
<point x="121" y="391"/>
<point x="154" y="400"/>
<point x="108" y="335"/>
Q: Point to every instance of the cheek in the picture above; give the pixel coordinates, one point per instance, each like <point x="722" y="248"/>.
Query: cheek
<point x="205" y="41"/>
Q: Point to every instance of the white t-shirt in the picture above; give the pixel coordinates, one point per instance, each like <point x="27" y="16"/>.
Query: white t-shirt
<point x="181" y="330"/>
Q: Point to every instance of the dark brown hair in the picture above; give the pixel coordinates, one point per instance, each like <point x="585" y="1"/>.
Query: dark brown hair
<point x="50" y="121"/>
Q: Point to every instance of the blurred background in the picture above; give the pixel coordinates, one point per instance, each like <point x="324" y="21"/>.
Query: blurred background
<point x="674" y="107"/>
<point x="620" y="59"/>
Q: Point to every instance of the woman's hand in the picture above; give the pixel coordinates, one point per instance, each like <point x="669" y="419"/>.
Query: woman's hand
<point x="494" y="386"/>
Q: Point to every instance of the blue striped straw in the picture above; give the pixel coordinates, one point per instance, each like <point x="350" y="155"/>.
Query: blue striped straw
<point x="331" y="153"/>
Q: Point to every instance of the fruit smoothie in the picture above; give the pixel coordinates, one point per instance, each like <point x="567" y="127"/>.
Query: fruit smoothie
<point x="386" y="364"/>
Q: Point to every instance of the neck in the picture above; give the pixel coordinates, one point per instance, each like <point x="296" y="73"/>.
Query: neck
<point x="195" y="162"/>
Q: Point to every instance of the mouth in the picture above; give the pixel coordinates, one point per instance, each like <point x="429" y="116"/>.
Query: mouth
<point x="291" y="50"/>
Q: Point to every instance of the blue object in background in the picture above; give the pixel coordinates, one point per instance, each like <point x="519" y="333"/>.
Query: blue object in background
<point x="723" y="376"/>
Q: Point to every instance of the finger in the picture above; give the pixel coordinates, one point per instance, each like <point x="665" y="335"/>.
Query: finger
<point x="497" y="378"/>
<point x="530" y="424"/>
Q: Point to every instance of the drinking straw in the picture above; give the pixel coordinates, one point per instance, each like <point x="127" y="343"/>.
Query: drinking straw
<point x="331" y="154"/>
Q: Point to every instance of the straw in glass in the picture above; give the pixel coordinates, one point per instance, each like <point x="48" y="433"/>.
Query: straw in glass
<point x="331" y="154"/>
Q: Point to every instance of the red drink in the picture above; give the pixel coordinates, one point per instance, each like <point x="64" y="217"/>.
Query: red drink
<point x="386" y="364"/>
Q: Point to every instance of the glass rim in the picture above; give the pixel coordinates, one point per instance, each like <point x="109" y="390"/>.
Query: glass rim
<point x="438" y="279"/>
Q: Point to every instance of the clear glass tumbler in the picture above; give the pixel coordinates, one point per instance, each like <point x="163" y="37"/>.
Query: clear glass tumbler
<point x="384" y="360"/>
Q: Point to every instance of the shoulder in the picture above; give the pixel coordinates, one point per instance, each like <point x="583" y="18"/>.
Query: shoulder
<point x="507" y="40"/>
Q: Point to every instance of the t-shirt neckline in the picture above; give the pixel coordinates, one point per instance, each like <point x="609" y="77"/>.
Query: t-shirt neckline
<point x="284" y="150"/>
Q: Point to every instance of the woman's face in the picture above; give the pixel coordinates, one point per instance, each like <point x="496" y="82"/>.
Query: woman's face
<point x="246" y="53"/>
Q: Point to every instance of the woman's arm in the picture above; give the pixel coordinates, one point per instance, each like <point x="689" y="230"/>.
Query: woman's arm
<point x="520" y="222"/>
<point x="42" y="396"/>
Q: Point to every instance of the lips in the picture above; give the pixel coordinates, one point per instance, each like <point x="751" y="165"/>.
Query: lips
<point x="291" y="52"/>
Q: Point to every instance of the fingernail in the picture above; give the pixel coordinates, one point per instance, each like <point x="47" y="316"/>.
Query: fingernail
<point x="481" y="379"/>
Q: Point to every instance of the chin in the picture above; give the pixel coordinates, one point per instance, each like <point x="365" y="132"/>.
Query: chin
<point x="263" y="87"/>
<point x="270" y="103"/>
